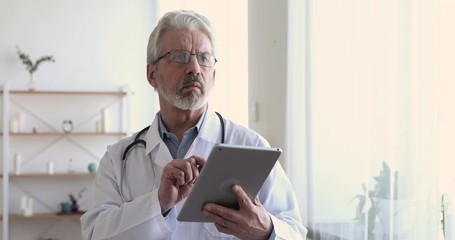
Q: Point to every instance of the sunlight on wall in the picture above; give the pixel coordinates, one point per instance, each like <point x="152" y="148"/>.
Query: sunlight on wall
<point x="229" y="20"/>
<point x="446" y="90"/>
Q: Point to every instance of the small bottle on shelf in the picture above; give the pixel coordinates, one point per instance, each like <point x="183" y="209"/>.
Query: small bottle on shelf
<point x="17" y="163"/>
<point x="13" y="125"/>
<point x="50" y="167"/>
<point x="26" y="206"/>
<point x="105" y="118"/>
<point x="29" y="209"/>
<point x="23" y="207"/>
<point x="71" y="167"/>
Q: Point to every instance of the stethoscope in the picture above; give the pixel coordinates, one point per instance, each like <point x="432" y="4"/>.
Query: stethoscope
<point x="139" y="141"/>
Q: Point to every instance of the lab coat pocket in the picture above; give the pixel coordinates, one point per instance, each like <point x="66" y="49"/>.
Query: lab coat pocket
<point x="214" y="233"/>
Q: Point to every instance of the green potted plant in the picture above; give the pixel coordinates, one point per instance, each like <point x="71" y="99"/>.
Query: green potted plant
<point x="375" y="198"/>
<point x="31" y="66"/>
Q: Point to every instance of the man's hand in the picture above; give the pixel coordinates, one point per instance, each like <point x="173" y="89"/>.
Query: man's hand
<point x="251" y="221"/>
<point x="177" y="180"/>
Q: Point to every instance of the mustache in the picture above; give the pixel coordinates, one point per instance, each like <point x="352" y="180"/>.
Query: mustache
<point x="190" y="79"/>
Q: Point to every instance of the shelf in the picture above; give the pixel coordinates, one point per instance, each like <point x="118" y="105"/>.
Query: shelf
<point x="120" y="93"/>
<point x="42" y="139"/>
<point x="55" y="175"/>
<point x="68" y="134"/>
<point x="44" y="216"/>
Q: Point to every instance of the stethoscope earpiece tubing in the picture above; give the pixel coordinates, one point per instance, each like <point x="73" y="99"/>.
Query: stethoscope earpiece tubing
<point x="136" y="141"/>
<point x="222" y="126"/>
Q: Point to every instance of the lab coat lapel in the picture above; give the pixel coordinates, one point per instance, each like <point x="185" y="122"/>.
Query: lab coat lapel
<point x="211" y="129"/>
<point x="155" y="145"/>
<point x="209" y="135"/>
<point x="200" y="147"/>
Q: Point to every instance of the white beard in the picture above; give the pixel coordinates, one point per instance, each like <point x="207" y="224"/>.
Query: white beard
<point x="190" y="101"/>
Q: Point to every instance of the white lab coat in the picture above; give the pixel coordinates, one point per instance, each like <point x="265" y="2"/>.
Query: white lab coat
<point x="140" y="218"/>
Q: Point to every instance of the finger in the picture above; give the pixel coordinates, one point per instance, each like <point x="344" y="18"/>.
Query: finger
<point x="188" y="170"/>
<point x="242" y="198"/>
<point x="168" y="173"/>
<point x="197" y="164"/>
<point x="182" y="170"/>
<point x="200" y="162"/>
<point x="185" y="171"/>
<point x="222" y="218"/>
<point x="224" y="229"/>
<point x="178" y="176"/>
<point x="195" y="170"/>
<point x="225" y="221"/>
<point x="256" y="201"/>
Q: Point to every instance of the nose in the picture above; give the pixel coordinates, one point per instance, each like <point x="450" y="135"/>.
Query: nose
<point x="193" y="67"/>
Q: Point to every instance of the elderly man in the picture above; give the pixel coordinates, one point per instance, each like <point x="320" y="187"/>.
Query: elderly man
<point x="144" y="179"/>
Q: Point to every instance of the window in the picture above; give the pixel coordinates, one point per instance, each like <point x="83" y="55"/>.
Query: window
<point x="380" y="89"/>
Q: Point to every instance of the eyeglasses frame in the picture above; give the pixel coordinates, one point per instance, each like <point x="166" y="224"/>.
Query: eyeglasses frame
<point x="191" y="54"/>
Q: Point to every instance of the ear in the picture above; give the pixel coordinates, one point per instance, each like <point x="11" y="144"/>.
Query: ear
<point x="151" y="71"/>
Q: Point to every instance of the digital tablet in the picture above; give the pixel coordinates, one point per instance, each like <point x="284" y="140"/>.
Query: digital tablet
<point x="228" y="165"/>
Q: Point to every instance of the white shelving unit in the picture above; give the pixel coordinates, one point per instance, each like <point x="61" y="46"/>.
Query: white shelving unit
<point x="41" y="139"/>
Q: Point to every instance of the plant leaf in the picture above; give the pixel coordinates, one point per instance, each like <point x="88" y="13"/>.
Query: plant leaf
<point x="29" y="65"/>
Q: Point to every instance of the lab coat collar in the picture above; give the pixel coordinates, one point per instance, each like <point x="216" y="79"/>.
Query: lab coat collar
<point x="155" y="146"/>
<point x="211" y="128"/>
<point x="152" y="137"/>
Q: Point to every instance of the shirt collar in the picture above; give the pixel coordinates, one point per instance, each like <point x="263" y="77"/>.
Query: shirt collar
<point x="163" y="131"/>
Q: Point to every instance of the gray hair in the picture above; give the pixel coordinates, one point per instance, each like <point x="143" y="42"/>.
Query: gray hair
<point x="177" y="19"/>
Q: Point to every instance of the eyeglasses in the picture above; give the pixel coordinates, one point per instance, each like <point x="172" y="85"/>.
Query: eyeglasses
<point x="182" y="56"/>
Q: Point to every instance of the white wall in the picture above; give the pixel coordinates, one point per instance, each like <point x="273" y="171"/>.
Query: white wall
<point x="96" y="44"/>
<point x="267" y="31"/>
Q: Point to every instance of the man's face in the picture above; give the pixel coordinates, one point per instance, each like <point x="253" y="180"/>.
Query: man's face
<point x="185" y="86"/>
